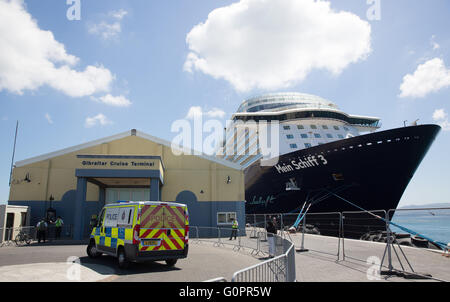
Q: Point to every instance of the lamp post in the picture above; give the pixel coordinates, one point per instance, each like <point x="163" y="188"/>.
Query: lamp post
<point x="50" y="211"/>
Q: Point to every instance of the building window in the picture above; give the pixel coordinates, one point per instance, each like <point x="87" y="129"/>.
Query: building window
<point x="287" y="127"/>
<point x="293" y="146"/>
<point x="324" y="126"/>
<point x="304" y="135"/>
<point x="317" y="135"/>
<point x="329" y="135"/>
<point x="336" y="127"/>
<point x="300" y="127"/>
<point x="346" y="129"/>
<point x="225" y="217"/>
<point x="313" y="127"/>
<point x="307" y="145"/>
<point x="290" y="136"/>
<point x="340" y="136"/>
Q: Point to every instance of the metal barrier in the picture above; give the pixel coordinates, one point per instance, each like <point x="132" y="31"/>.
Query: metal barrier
<point x="279" y="269"/>
<point x="329" y="224"/>
<point x="219" y="279"/>
<point x="398" y="252"/>
<point x="12" y="236"/>
<point x="395" y="249"/>
<point x="364" y="226"/>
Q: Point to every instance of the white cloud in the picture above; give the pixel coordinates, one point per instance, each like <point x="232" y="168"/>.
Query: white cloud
<point x="48" y="118"/>
<point x="119" y="14"/>
<point x="99" y="119"/>
<point x="106" y="30"/>
<point x="441" y="117"/>
<point x="117" y="101"/>
<point x="429" y="77"/>
<point x="109" y="30"/>
<point x="198" y="111"/>
<point x="31" y="57"/>
<point x="275" y="44"/>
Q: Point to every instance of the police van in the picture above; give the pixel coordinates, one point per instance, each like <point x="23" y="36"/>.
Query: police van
<point x="141" y="231"/>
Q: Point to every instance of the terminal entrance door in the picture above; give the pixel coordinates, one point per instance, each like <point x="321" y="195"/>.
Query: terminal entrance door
<point x="126" y="194"/>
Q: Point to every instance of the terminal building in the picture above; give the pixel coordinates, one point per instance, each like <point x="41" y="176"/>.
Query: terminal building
<point x="75" y="183"/>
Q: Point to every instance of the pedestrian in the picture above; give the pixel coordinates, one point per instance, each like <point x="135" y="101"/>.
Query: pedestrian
<point x="58" y="227"/>
<point x="234" y="228"/>
<point x="41" y="230"/>
<point x="271" y="232"/>
<point x="275" y="223"/>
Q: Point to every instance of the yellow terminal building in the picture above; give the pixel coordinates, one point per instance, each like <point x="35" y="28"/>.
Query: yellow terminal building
<point x="75" y="183"/>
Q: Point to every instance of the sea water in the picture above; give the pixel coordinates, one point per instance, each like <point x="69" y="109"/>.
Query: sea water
<point x="434" y="224"/>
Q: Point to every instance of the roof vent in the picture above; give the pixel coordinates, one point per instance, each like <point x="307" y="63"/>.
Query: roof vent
<point x="133" y="132"/>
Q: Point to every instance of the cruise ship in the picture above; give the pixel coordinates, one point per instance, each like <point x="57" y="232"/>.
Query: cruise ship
<point x="328" y="160"/>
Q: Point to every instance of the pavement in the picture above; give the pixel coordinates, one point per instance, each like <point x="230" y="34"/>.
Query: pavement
<point x="69" y="263"/>
<point x="324" y="261"/>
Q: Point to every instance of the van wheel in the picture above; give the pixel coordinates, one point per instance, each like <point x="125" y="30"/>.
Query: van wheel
<point x="171" y="262"/>
<point x="92" y="250"/>
<point x="122" y="259"/>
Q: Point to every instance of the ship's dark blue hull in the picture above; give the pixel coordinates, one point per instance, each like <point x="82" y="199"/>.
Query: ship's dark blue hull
<point x="371" y="171"/>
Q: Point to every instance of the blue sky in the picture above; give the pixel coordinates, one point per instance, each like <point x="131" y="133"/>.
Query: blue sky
<point x="139" y="49"/>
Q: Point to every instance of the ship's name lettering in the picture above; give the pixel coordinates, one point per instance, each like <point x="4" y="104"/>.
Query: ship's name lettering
<point x="301" y="163"/>
<point x="262" y="201"/>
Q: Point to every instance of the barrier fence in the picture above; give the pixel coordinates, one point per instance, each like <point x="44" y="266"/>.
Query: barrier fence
<point x="374" y="226"/>
<point x="280" y="268"/>
<point x="22" y="235"/>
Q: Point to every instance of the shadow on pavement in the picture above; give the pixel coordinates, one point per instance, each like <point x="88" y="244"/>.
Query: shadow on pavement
<point x="51" y="243"/>
<point x="134" y="268"/>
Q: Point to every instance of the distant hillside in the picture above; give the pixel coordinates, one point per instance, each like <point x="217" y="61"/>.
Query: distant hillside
<point x="430" y="205"/>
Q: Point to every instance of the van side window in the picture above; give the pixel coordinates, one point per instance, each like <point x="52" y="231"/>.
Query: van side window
<point x="129" y="217"/>
<point x="125" y="216"/>
<point x="100" y="220"/>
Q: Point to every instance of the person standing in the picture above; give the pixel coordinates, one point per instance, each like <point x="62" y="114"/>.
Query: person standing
<point x="234" y="228"/>
<point x="58" y="227"/>
<point x="41" y="230"/>
<point x="271" y="232"/>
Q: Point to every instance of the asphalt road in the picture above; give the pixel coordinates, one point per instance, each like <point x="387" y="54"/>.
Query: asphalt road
<point x="49" y="263"/>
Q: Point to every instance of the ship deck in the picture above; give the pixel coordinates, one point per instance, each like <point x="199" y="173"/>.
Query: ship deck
<point x="362" y="259"/>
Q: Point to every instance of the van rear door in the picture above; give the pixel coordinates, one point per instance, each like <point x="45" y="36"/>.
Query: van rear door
<point x="162" y="227"/>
